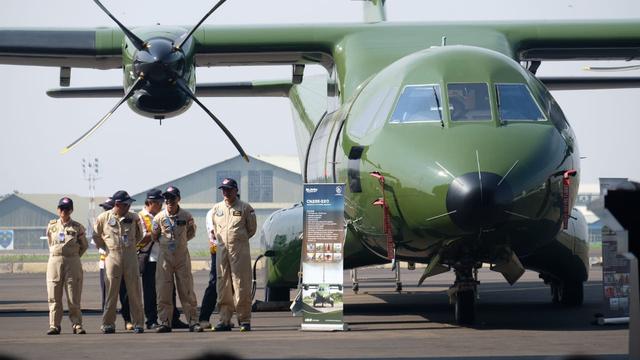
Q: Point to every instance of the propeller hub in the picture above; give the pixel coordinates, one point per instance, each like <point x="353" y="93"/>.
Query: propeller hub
<point x="160" y="61"/>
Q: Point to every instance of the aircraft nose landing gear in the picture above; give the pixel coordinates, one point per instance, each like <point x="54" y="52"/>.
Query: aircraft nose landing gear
<point x="463" y="294"/>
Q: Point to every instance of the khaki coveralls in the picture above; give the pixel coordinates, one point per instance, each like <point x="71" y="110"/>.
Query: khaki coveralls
<point x="173" y="232"/>
<point x="234" y="225"/>
<point x="119" y="237"/>
<point x="67" y="243"/>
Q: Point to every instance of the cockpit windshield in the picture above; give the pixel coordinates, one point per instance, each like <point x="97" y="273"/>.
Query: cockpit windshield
<point x="516" y="103"/>
<point x="418" y="103"/>
<point x="469" y="101"/>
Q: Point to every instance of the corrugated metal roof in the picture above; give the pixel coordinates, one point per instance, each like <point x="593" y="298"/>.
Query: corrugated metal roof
<point x="286" y="163"/>
<point x="290" y="163"/>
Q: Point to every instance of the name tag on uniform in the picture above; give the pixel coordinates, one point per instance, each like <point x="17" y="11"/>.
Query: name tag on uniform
<point x="127" y="221"/>
<point x="237" y="213"/>
<point x="181" y="222"/>
<point x="61" y="236"/>
<point x="71" y="232"/>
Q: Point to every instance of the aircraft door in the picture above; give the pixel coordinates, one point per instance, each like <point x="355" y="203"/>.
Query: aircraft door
<point x="320" y="164"/>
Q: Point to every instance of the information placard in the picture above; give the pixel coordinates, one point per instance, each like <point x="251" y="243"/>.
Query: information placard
<point x="322" y="257"/>
<point x="616" y="274"/>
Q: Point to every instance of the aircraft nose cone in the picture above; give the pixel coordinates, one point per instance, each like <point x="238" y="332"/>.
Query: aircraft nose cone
<point x="479" y="200"/>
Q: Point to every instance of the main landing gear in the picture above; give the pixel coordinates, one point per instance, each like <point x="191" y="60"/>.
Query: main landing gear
<point x="568" y="293"/>
<point x="463" y="295"/>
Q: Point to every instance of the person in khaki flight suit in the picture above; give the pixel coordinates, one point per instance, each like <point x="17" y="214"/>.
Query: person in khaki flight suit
<point x="67" y="243"/>
<point x="172" y="228"/>
<point x="234" y="223"/>
<point x="106" y="206"/>
<point x="148" y="252"/>
<point x="124" y="299"/>
<point x="117" y="231"/>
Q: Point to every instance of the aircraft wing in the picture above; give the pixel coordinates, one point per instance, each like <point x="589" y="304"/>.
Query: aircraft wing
<point x="523" y="41"/>
<point x="590" y="82"/>
<point x="101" y="48"/>
<point x="574" y="40"/>
<point x="325" y="44"/>
<point x="75" y="48"/>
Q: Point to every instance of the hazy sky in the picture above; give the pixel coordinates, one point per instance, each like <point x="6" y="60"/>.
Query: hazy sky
<point x="135" y="153"/>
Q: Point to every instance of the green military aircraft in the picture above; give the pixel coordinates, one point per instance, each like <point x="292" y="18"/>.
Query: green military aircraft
<point x="454" y="153"/>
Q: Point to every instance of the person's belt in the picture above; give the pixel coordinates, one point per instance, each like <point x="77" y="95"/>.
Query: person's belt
<point x="61" y="253"/>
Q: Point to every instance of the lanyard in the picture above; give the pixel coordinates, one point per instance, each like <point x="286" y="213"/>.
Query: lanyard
<point x="172" y="225"/>
<point x="172" y="243"/>
<point x="116" y="219"/>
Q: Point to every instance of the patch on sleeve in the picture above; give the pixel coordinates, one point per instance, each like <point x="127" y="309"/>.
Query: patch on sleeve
<point x="155" y="227"/>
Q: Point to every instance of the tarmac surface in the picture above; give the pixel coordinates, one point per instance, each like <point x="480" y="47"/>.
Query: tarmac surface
<point x="513" y="322"/>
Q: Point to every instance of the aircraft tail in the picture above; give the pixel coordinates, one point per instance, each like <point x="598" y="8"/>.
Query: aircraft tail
<point x="374" y="11"/>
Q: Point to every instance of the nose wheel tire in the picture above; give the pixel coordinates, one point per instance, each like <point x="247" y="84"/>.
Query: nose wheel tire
<point x="555" y="293"/>
<point x="465" y="307"/>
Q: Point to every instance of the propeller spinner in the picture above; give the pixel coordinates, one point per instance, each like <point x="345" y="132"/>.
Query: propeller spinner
<point x="159" y="62"/>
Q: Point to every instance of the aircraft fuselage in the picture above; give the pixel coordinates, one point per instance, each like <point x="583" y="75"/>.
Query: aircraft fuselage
<point x="479" y="165"/>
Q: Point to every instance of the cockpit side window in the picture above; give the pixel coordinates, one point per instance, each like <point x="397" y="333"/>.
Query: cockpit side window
<point x="515" y="103"/>
<point x="469" y="101"/>
<point x="418" y="103"/>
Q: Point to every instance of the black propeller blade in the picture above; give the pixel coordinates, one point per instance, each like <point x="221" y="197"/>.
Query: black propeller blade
<point x="187" y="91"/>
<point x="137" y="42"/>
<point x="186" y="38"/>
<point x="126" y="97"/>
<point x="160" y="64"/>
